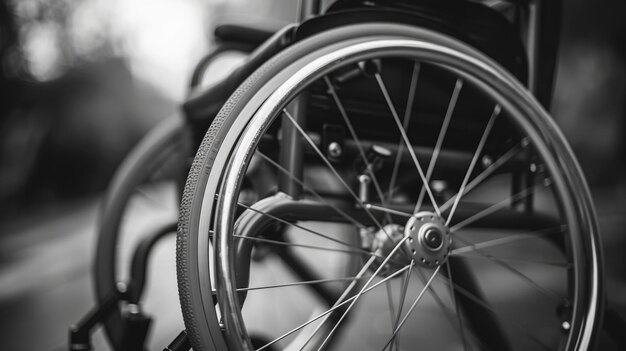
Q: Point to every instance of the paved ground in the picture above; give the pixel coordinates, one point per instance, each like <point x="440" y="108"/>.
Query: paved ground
<point x="45" y="261"/>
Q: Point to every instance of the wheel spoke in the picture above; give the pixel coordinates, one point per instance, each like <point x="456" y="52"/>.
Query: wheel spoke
<point x="447" y="311"/>
<point x="345" y="294"/>
<point x="307" y="282"/>
<point x="388" y="210"/>
<point x="314" y="232"/>
<point x="332" y="309"/>
<point x="419" y="297"/>
<point x="509" y="239"/>
<point x="368" y="165"/>
<point x="392" y="309"/>
<point x="335" y="172"/>
<point x="405" y="125"/>
<point x="407" y="143"/>
<point x="456" y="308"/>
<point x="491" y="209"/>
<point x="512" y="260"/>
<point x="483" y="304"/>
<point x="405" y="286"/>
<point x="442" y="134"/>
<point x="316" y="194"/>
<point x="382" y="265"/>
<point x="356" y="251"/>
<point x="483" y="175"/>
<point x="522" y="276"/>
<point x="470" y="169"/>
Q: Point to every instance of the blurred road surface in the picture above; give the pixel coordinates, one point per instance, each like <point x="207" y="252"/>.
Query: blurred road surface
<point x="46" y="257"/>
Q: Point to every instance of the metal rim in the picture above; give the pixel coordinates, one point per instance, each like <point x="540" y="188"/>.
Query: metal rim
<point x="453" y="60"/>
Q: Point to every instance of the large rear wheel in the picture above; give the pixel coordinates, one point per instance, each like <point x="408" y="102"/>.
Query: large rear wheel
<point x="422" y="197"/>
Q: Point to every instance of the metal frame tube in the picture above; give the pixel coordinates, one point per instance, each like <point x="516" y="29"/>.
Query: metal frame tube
<point x="543" y="31"/>
<point x="292" y="149"/>
<point x="308" y="9"/>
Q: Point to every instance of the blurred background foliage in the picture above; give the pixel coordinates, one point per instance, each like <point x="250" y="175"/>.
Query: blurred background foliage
<point x="82" y="81"/>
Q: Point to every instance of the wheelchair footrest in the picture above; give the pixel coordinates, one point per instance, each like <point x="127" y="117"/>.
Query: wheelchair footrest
<point x="181" y="343"/>
<point x="136" y="327"/>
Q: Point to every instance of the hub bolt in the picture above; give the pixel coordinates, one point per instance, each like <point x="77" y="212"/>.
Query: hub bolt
<point x="334" y="149"/>
<point x="433" y="239"/>
<point x="565" y="325"/>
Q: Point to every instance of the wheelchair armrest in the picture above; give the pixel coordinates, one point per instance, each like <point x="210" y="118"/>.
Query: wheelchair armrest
<point x="248" y="34"/>
<point x="203" y="105"/>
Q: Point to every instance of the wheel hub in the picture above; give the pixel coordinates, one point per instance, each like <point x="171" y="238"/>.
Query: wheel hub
<point x="428" y="240"/>
<point x="428" y="243"/>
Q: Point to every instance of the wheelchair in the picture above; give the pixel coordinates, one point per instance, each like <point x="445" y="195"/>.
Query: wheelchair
<point x="381" y="175"/>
